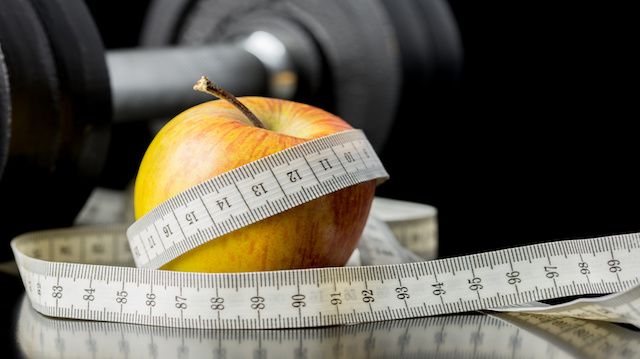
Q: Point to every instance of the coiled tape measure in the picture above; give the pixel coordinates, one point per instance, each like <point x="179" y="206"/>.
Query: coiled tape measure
<point x="60" y="283"/>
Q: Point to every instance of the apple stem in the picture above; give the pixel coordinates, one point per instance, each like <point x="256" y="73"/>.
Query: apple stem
<point x="206" y="86"/>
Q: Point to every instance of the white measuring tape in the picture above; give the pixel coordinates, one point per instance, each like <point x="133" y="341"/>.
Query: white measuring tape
<point x="252" y="192"/>
<point x="103" y="291"/>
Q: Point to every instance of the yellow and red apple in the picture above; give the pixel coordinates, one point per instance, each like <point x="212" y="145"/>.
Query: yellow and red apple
<point x="215" y="137"/>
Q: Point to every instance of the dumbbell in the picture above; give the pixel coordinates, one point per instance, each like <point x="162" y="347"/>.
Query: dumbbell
<point x="60" y="92"/>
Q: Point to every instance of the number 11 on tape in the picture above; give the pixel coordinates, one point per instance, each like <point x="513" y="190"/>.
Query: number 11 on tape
<point x="296" y="298"/>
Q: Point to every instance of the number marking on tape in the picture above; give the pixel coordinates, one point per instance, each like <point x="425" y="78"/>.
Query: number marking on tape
<point x="318" y="297"/>
<point x="298" y="298"/>
<point x="252" y="192"/>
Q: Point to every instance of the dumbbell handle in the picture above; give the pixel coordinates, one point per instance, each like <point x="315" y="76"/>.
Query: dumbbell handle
<point x="154" y="83"/>
<point x="149" y="83"/>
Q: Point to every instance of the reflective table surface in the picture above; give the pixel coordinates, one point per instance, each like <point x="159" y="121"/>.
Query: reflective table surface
<point x="473" y="335"/>
<point x="29" y="334"/>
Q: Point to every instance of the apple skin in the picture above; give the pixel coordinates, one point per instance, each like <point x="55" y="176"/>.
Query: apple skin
<point x="215" y="137"/>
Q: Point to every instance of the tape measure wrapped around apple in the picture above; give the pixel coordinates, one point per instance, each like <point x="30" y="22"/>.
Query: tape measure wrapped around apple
<point x="218" y="136"/>
<point x="217" y="192"/>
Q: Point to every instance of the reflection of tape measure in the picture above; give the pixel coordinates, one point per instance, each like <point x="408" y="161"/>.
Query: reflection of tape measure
<point x="456" y="336"/>
<point x="297" y="298"/>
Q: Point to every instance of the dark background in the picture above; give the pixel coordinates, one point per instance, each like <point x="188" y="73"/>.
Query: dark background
<point x="537" y="142"/>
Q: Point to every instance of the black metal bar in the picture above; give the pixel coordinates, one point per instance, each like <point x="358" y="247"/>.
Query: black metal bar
<point x="156" y="83"/>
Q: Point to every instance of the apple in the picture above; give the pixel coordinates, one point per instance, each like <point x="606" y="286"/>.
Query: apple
<point x="217" y="136"/>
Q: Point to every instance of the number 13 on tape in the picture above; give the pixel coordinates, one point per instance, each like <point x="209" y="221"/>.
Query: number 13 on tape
<point x="296" y="298"/>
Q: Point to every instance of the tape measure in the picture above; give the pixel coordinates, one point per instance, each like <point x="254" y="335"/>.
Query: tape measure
<point x="252" y="192"/>
<point x="60" y="282"/>
<point x="514" y="335"/>
<point x="414" y="225"/>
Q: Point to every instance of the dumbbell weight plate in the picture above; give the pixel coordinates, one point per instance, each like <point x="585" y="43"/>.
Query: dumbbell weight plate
<point x="85" y="102"/>
<point x="53" y="148"/>
<point x="432" y="63"/>
<point x="445" y="39"/>
<point x="4" y="113"/>
<point x="429" y="42"/>
<point x="33" y="119"/>
<point x="357" y="44"/>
